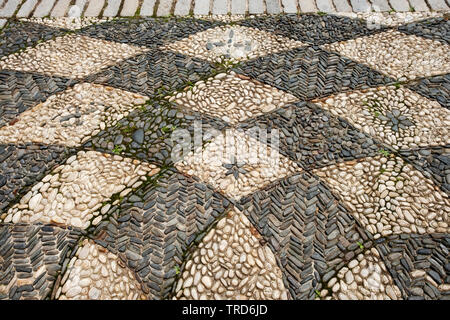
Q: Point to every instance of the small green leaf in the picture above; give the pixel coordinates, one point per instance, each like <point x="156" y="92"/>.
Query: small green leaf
<point x="317" y="293"/>
<point x="360" y="245"/>
<point x="384" y="152"/>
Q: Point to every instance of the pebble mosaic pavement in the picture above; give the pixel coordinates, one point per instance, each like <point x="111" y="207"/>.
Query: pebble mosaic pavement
<point x="93" y="206"/>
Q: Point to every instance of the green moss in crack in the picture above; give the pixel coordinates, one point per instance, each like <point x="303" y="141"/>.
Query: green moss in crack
<point x="361" y="246"/>
<point x="117" y="149"/>
<point x="384" y="152"/>
<point x="177" y="270"/>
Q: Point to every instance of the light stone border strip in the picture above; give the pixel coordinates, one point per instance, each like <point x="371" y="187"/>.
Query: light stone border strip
<point x="110" y="8"/>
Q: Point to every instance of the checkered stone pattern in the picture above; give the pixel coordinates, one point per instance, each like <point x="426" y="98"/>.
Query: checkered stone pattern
<point x="278" y="157"/>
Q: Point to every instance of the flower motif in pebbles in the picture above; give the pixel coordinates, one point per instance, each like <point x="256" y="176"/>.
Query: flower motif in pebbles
<point x="235" y="43"/>
<point x="70" y="56"/>
<point x="397" y="116"/>
<point x="234" y="168"/>
<point x="74" y="192"/>
<point x="388" y="196"/>
<point x="364" y="278"/>
<point x="263" y="164"/>
<point x="71" y="117"/>
<point x="396" y="54"/>
<point x="96" y="274"/>
<point x="232" y="97"/>
<point x="231" y="263"/>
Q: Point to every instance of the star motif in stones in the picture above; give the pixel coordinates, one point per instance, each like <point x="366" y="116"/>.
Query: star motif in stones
<point x="234" y="168"/>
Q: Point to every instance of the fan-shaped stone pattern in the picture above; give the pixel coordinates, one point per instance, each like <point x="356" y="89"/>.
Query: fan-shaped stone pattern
<point x="236" y="164"/>
<point x="401" y="56"/>
<point x="313" y="137"/>
<point x="148" y="32"/>
<point x="23" y="165"/>
<point x="20" y="34"/>
<point x="437" y="88"/>
<point x="419" y="264"/>
<point x="234" y="43"/>
<point x="434" y="28"/>
<point x="96" y="274"/>
<point x="232" y="97"/>
<point x="73" y="192"/>
<point x="147" y="133"/>
<point x="71" y="117"/>
<point x="434" y="163"/>
<point x="31" y="257"/>
<point x="152" y="228"/>
<point x="231" y="263"/>
<point x="311" y="72"/>
<point x="364" y="278"/>
<point x="399" y="117"/>
<point x="20" y="91"/>
<point x="389" y="196"/>
<point x="71" y="56"/>
<point x="311" y="234"/>
<point x="155" y="73"/>
<point x="313" y="29"/>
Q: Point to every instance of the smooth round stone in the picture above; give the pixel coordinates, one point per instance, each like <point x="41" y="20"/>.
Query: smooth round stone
<point x="94" y="293"/>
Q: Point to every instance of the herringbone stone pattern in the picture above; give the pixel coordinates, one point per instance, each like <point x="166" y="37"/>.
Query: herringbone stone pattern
<point x="32" y="257"/>
<point x="304" y="225"/>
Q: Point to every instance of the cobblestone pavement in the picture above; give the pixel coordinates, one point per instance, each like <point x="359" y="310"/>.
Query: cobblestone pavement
<point x="126" y="8"/>
<point x="335" y="183"/>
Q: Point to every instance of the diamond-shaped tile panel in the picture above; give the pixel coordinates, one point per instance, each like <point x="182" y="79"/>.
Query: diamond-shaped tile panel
<point x="71" y="56"/>
<point x="389" y="196"/>
<point x="235" y="42"/>
<point x="399" y="117"/>
<point x="397" y="54"/>
<point x="312" y="137"/>
<point x="73" y="192"/>
<point x="237" y="164"/>
<point x="96" y="274"/>
<point x="31" y="258"/>
<point x="364" y="278"/>
<point x="70" y="117"/>
<point x="311" y="28"/>
<point x="232" y="97"/>
<point x="232" y="262"/>
<point x="311" y="72"/>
